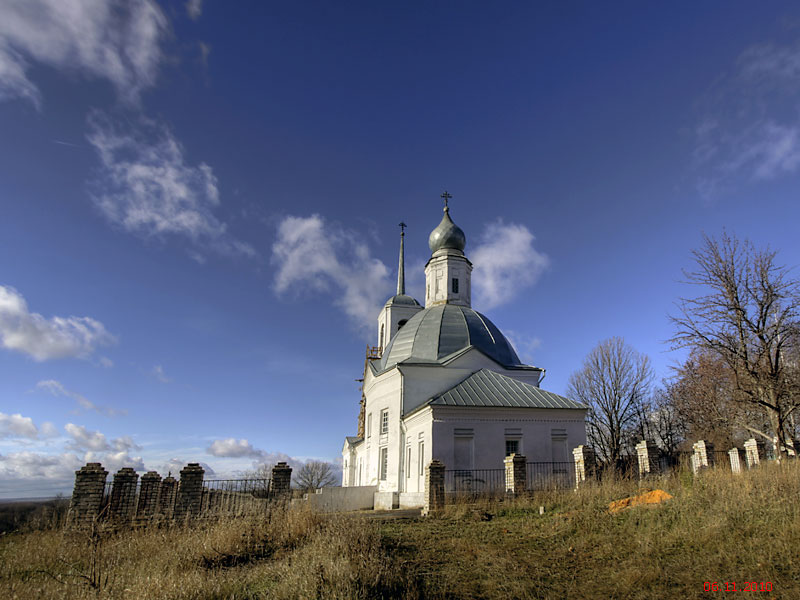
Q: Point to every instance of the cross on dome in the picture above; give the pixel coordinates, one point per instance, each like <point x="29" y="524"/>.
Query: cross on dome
<point x="446" y="195"/>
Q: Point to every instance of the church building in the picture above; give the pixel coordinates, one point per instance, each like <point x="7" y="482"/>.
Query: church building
<point x="443" y="382"/>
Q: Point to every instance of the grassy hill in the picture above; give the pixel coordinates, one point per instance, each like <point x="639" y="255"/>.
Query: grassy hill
<point x="718" y="527"/>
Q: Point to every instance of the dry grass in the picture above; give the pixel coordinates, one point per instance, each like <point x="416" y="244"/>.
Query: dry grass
<point x="718" y="527"/>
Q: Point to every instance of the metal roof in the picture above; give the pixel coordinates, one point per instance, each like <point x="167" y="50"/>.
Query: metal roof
<point x="488" y="388"/>
<point x="437" y="332"/>
<point x="402" y="299"/>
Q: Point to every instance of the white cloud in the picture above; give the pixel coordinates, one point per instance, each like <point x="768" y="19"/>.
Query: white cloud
<point x="17" y="426"/>
<point x="56" y="388"/>
<point x="83" y="439"/>
<point x="114" y="40"/>
<point x="44" y="339"/>
<point x="114" y="461"/>
<point x="194" y="8"/>
<point x="95" y="441"/>
<point x="233" y="448"/>
<point x="146" y="187"/>
<point x="525" y="345"/>
<point x="174" y="465"/>
<point x="25" y="465"/>
<point x="106" y="362"/>
<point x="749" y="128"/>
<point x="311" y="254"/>
<point x="158" y="373"/>
<point x="505" y="263"/>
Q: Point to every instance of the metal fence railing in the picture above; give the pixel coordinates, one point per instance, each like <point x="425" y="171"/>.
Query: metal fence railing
<point x="475" y="481"/>
<point x="235" y="496"/>
<point x="550" y="475"/>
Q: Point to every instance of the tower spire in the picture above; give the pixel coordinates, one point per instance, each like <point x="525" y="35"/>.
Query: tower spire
<point x="401" y="269"/>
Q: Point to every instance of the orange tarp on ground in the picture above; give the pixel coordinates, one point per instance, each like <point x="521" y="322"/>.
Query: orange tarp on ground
<point x="652" y="497"/>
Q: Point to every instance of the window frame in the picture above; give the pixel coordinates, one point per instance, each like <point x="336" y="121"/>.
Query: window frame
<point x="383" y="463"/>
<point x="385" y="421"/>
<point x="518" y="443"/>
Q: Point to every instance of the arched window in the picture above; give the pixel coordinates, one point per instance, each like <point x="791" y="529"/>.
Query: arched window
<point x="400" y="323"/>
<point x="380" y="341"/>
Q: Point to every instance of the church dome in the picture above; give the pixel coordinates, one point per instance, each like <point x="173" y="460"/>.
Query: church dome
<point x="447" y="235"/>
<point x="437" y="332"/>
<point x="403" y="300"/>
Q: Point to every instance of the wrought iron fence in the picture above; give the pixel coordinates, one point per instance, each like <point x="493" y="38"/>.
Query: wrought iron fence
<point x="476" y="482"/>
<point x="235" y="496"/>
<point x="550" y="475"/>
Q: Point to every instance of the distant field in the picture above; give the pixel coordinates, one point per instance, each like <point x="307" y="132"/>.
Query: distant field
<point x="31" y="512"/>
<point x="718" y="527"/>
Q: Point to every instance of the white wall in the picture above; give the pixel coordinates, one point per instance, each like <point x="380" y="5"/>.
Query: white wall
<point x="337" y="499"/>
<point x="534" y="427"/>
<point x="442" y="268"/>
<point x="418" y="428"/>
<point x="382" y="393"/>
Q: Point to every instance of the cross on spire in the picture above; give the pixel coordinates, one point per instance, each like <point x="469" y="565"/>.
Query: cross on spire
<point x="446" y="197"/>
<point x="402" y="228"/>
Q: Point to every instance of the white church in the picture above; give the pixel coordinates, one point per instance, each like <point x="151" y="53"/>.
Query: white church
<point x="444" y="383"/>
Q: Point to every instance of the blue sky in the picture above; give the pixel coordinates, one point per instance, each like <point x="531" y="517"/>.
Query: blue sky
<point x="199" y="201"/>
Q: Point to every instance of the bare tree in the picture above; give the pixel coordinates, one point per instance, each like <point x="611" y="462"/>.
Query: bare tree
<point x="749" y="319"/>
<point x="614" y="382"/>
<point x="705" y="397"/>
<point x="315" y="474"/>
<point x="666" y="423"/>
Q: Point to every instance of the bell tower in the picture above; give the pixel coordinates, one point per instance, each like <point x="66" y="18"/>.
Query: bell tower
<point x="448" y="273"/>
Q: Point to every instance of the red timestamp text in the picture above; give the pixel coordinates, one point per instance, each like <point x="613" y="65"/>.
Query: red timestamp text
<point x="733" y="586"/>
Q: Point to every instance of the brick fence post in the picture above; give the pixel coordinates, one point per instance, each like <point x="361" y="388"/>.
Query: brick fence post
<point x="87" y="495"/>
<point x="123" y="495"/>
<point x="190" y="491"/>
<point x="735" y="455"/>
<point x="755" y="452"/>
<point x="703" y="455"/>
<point x="434" y="487"/>
<point x="281" y="484"/>
<point x="648" y="455"/>
<point x="167" y="496"/>
<point x="148" y="496"/>
<point x="516" y="474"/>
<point x="585" y="465"/>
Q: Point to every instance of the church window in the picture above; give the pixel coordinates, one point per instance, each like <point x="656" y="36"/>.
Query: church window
<point x="384" y="421"/>
<point x="400" y="323"/>
<point x="381" y="339"/>
<point x="408" y="462"/>
<point x="384" y="463"/>
<point x="455" y="285"/>
<point x="512" y="447"/>
<point x="421" y="458"/>
<point x="369" y="425"/>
